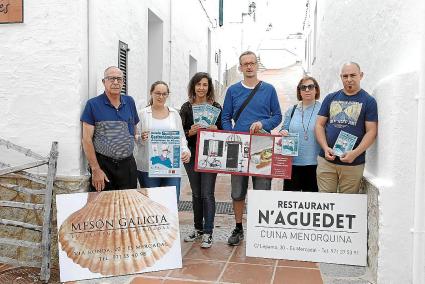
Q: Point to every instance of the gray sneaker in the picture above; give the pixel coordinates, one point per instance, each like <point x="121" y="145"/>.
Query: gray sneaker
<point x="236" y="237"/>
<point x="206" y="241"/>
<point x="193" y="236"/>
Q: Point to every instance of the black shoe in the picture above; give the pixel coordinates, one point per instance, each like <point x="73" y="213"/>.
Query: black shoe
<point x="236" y="237"/>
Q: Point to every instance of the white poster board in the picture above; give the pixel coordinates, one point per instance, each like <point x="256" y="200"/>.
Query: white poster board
<point x="117" y="232"/>
<point x="319" y="227"/>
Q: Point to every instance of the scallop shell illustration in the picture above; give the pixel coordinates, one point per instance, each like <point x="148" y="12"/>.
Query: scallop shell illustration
<point x="118" y="232"/>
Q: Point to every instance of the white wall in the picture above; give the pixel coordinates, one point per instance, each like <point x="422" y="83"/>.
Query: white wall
<point x="43" y="80"/>
<point x="129" y="23"/>
<point x="384" y="38"/>
<point x="189" y="38"/>
<point x="48" y="68"/>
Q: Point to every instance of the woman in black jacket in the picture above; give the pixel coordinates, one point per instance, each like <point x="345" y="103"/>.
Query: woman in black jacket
<point x="200" y="91"/>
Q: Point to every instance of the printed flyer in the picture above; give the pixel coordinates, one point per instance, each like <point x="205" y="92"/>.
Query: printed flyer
<point x="164" y="153"/>
<point x="344" y="143"/>
<point x="113" y="233"/>
<point x="205" y="114"/>
<point x="290" y="144"/>
<point x="241" y="154"/>
<point x="307" y="226"/>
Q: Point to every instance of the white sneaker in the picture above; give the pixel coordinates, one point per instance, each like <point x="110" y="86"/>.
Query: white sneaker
<point x="193" y="236"/>
<point x="207" y="241"/>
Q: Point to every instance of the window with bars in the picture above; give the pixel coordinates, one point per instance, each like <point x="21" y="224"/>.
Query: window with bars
<point x="123" y="64"/>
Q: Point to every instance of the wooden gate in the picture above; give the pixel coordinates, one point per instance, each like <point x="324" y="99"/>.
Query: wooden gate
<point x="46" y="207"/>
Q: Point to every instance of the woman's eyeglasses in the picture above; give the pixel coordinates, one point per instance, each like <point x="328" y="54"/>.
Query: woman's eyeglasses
<point x="161" y="94"/>
<point x="307" y="87"/>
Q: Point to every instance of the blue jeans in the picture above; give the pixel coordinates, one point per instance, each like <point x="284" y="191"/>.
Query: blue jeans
<point x="203" y="199"/>
<point x="147" y="182"/>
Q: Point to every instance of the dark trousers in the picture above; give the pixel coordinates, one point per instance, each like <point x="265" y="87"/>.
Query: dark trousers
<point x="203" y="199"/>
<point x="122" y="174"/>
<point x="303" y="178"/>
<point x="148" y="182"/>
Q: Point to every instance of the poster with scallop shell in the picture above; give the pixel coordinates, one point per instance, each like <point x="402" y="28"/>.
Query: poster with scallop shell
<point x="120" y="232"/>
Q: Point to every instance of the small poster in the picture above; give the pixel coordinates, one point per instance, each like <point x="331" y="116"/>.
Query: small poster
<point x="205" y="114"/>
<point x="198" y="113"/>
<point x="307" y="226"/>
<point x="111" y="233"/>
<point x="164" y="153"/>
<point x="344" y="143"/>
<point x="241" y="154"/>
<point x="290" y="144"/>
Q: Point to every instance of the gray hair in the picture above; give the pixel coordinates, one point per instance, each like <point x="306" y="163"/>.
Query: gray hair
<point x="109" y="68"/>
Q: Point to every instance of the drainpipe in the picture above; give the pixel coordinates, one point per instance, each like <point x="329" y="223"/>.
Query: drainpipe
<point x="92" y="89"/>
<point x="170" y="45"/>
<point x="418" y="263"/>
<point x="89" y="70"/>
<point x="219" y="72"/>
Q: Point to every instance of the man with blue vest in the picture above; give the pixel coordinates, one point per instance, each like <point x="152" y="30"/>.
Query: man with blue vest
<point x="254" y="107"/>
<point x="109" y="124"/>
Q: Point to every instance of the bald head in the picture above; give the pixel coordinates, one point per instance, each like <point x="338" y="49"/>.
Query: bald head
<point x="351" y="75"/>
<point x="351" y="63"/>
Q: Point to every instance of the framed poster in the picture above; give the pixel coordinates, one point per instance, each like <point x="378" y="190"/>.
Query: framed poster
<point x="307" y="226"/>
<point x="240" y="153"/>
<point x="112" y="233"/>
<point x="164" y="153"/>
<point x="11" y="11"/>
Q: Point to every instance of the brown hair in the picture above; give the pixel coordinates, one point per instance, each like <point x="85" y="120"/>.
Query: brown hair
<point x="248" y="52"/>
<point x="195" y="80"/>
<point x="316" y="86"/>
<point x="153" y="88"/>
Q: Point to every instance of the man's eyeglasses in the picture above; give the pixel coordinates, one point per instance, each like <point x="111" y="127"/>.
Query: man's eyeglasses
<point x="112" y="79"/>
<point x="161" y="94"/>
<point x="307" y="87"/>
<point x="249" y="64"/>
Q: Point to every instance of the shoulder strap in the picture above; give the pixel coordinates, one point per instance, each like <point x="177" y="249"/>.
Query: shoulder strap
<point x="245" y="103"/>
<point x="293" y="110"/>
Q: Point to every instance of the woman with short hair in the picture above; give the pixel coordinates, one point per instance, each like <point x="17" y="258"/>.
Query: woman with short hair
<point x="301" y="119"/>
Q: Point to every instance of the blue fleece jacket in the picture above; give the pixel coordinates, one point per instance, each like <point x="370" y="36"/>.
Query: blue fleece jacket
<point x="263" y="107"/>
